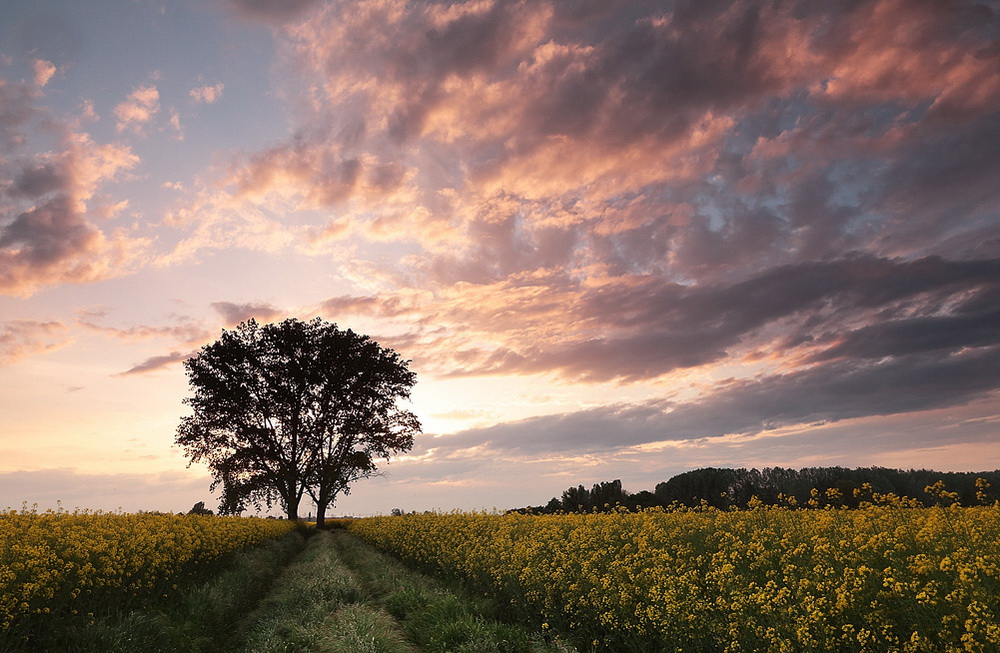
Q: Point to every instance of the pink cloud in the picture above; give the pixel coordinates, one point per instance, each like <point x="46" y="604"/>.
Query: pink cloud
<point x="142" y="104"/>
<point x="207" y="94"/>
<point x="611" y="195"/>
<point x="22" y="338"/>
<point x="44" y="70"/>
<point x="186" y="332"/>
<point x="48" y="233"/>
<point x="898" y="50"/>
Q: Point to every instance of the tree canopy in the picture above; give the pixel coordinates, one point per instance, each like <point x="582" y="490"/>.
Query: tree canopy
<point x="294" y="408"/>
<point x="727" y="488"/>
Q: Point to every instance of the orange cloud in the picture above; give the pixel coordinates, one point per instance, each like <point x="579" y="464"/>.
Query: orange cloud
<point x="899" y="50"/>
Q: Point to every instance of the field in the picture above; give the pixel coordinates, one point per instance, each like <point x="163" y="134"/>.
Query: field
<point x="882" y="578"/>
<point x="65" y="567"/>
<point x="163" y="583"/>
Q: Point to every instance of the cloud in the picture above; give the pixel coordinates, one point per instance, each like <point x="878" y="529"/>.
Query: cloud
<point x="175" y="124"/>
<point x="233" y="314"/>
<point x="51" y="243"/>
<point x="141" y="106"/>
<point x="389" y="306"/>
<point x="637" y="328"/>
<point x="271" y="12"/>
<point x="216" y="220"/>
<point x="887" y="56"/>
<point x="752" y="407"/>
<point x="156" y="363"/>
<point x="35" y="182"/>
<point x="507" y="137"/>
<point x="17" y="110"/>
<point x="44" y="70"/>
<point x="48" y="234"/>
<point x="916" y="335"/>
<point x="22" y="338"/>
<point x="207" y="94"/>
<point x="186" y="332"/>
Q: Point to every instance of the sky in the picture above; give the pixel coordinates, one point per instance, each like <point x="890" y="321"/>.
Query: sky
<point x="616" y="239"/>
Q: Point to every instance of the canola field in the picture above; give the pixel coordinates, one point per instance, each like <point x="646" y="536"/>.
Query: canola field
<point x="63" y="567"/>
<point x="884" y="578"/>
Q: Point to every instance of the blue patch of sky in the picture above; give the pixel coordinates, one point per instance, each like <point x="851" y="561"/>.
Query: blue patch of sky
<point x="109" y="49"/>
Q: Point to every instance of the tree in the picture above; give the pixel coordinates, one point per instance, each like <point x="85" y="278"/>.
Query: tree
<point x="199" y="509"/>
<point x="294" y="408"/>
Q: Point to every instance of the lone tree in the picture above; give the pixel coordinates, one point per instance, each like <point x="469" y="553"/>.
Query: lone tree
<point x="294" y="408"/>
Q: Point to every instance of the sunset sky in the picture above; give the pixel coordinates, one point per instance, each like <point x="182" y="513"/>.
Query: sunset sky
<point x="616" y="239"/>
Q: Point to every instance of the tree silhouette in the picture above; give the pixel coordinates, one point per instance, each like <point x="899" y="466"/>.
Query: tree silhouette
<point x="294" y="408"/>
<point x="199" y="509"/>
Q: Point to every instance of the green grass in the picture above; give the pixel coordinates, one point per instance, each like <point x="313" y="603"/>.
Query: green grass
<point x="293" y="616"/>
<point x="198" y="618"/>
<point x="435" y="617"/>
<point x="342" y="596"/>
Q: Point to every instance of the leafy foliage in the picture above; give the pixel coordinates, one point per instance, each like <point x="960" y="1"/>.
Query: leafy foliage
<point x="727" y="488"/>
<point x="291" y="408"/>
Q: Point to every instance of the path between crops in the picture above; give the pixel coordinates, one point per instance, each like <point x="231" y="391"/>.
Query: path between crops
<point x="340" y="595"/>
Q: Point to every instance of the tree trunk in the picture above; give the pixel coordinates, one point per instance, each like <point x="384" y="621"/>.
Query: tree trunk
<point x="292" y="508"/>
<point x="320" y="516"/>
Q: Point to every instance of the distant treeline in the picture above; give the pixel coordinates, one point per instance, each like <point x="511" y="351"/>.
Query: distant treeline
<point x="810" y="487"/>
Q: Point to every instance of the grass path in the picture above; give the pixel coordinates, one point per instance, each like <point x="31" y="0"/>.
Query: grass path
<point x="342" y="596"/>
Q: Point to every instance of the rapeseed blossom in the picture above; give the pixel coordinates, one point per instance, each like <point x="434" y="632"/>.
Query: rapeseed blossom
<point x="60" y="564"/>
<point x="882" y="578"/>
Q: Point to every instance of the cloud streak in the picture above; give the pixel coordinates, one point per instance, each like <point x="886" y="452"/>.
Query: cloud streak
<point x="751" y="407"/>
<point x="22" y="338"/>
<point x="156" y="363"/>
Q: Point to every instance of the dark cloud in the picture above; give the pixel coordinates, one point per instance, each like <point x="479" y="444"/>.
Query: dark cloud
<point x="915" y="335"/>
<point x="832" y="393"/>
<point x="38" y="181"/>
<point x="942" y="190"/>
<point x="652" y="327"/>
<point x="46" y="234"/>
<point x="51" y="242"/>
<point x="705" y="142"/>
<point x="47" y="229"/>
<point x="233" y="313"/>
